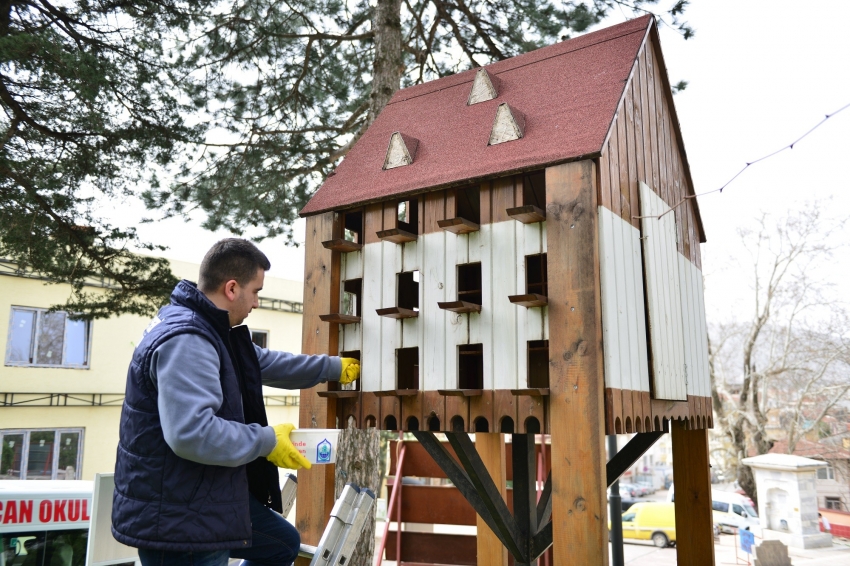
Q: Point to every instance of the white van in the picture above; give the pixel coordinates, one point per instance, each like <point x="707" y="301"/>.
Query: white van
<point x="729" y="510"/>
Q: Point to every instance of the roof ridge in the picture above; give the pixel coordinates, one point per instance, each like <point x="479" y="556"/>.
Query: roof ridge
<point x="520" y="66"/>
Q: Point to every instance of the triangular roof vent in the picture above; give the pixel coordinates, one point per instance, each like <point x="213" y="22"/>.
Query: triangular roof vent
<point x="485" y="87"/>
<point x="509" y="125"/>
<point x="401" y="151"/>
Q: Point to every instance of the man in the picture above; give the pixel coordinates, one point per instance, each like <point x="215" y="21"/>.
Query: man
<point x="196" y="478"/>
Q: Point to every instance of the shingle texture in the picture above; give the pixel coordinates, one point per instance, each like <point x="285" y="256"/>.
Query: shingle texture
<point x="568" y="93"/>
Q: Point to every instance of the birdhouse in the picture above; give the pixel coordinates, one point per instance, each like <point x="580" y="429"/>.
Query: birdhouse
<point x="515" y="249"/>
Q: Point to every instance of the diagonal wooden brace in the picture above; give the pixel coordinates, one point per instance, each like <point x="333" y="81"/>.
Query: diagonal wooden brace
<point x="629" y="454"/>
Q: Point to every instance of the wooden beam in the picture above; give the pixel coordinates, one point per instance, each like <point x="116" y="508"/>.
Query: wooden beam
<point x="491" y="448"/>
<point x="321" y="295"/>
<point x="576" y="384"/>
<point x="692" y="478"/>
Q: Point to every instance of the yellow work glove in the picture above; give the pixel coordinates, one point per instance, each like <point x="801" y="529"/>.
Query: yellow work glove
<point x="350" y="370"/>
<point x="284" y="454"/>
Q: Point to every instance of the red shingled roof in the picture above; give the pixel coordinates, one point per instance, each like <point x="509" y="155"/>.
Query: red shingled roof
<point x="568" y="93"/>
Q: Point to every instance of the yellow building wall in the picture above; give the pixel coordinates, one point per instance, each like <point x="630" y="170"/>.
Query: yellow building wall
<point x="112" y="344"/>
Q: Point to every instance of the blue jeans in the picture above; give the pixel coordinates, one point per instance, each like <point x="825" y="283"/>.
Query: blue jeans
<point x="274" y="542"/>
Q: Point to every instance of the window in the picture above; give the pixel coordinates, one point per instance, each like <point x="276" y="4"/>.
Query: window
<point x="469" y="283"/>
<point x="407" y="368"/>
<point x="738" y="510"/>
<point x="536" y="276"/>
<point x="470" y="366"/>
<point x="408" y="290"/>
<point x="41" y="454"/>
<point x="720" y="506"/>
<point x="408" y="216"/>
<point x="260" y="338"/>
<point x="47" y="339"/>
<point x="351" y="291"/>
<point x="468" y="203"/>
<point x="538" y="364"/>
<point x="827" y="473"/>
<point x="353" y="226"/>
<point x="833" y="503"/>
<point x="534" y="189"/>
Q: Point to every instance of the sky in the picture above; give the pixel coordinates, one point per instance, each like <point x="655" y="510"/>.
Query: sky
<point x="760" y="74"/>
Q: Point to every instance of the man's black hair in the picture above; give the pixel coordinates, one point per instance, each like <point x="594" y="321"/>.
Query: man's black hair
<point x="231" y="258"/>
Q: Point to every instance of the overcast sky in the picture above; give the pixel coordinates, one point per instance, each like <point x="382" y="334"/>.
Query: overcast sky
<point x="761" y="73"/>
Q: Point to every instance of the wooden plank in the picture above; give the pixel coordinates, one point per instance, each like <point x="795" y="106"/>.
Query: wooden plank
<point x="531" y="407"/>
<point x="433" y="407"/>
<point x="691" y="475"/>
<point x="491" y="449"/>
<point x="576" y="406"/>
<point x="481" y="406"/>
<point x="651" y="125"/>
<point x="503" y="198"/>
<point x="432" y="548"/>
<point x="605" y="177"/>
<point x="634" y="157"/>
<point x="373" y="222"/>
<point x="504" y="406"/>
<point x="623" y="159"/>
<point x="613" y="411"/>
<point x="435" y="210"/>
<point x="608" y="281"/>
<point x="417" y="461"/>
<point x="321" y="284"/>
<point x="411" y="412"/>
<point x="370" y="408"/>
<point x="434" y="504"/>
<point x="371" y="327"/>
<point x="486" y="202"/>
<point x="628" y="360"/>
<point x="660" y="131"/>
<point x="614" y="171"/>
<point x="390" y="407"/>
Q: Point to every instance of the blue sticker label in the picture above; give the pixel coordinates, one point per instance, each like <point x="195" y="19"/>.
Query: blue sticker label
<point x="323" y="451"/>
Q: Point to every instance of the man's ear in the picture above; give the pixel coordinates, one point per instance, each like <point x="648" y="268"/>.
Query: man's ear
<point x="230" y="289"/>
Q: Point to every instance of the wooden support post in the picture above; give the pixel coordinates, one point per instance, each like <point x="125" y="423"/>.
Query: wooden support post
<point x="491" y="448"/>
<point x="576" y="384"/>
<point x="321" y="295"/>
<point x="692" y="478"/>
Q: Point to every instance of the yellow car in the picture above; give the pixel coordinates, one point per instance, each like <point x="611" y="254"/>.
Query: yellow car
<point x="650" y="521"/>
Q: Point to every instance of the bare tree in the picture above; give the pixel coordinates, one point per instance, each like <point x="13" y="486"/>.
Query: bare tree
<point x="787" y="359"/>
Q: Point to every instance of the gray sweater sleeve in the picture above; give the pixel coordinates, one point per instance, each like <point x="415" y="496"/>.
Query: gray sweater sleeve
<point x="185" y="371"/>
<point x="296" y="371"/>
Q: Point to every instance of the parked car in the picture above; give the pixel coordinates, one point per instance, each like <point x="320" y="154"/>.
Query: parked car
<point x="631" y="489"/>
<point x="730" y="510"/>
<point x="653" y="521"/>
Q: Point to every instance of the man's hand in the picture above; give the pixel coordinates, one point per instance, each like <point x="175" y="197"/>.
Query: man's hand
<point x="284" y="454"/>
<point x="350" y="370"/>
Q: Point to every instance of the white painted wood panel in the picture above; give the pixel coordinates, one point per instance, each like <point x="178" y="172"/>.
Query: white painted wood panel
<point x="351" y="265"/>
<point x="350" y="338"/>
<point x="371" y="296"/>
<point x="696" y="345"/>
<point x="433" y="320"/>
<point x="390" y="327"/>
<point x="623" y="314"/>
<point x="665" y="307"/>
<point x="608" y="281"/>
<point x="502" y="274"/>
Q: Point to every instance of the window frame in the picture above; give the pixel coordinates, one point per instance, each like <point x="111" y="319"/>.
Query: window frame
<point x="260" y="331"/>
<point x="39" y="317"/>
<point x="25" y="455"/>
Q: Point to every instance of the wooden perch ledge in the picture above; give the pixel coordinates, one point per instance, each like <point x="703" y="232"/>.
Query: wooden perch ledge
<point x="342" y="245"/>
<point x="458" y="225"/>
<point x="460" y="306"/>
<point x="336" y="318"/>
<point x="530" y="300"/>
<point x="396" y="236"/>
<point x="528" y="214"/>
<point x="397" y="312"/>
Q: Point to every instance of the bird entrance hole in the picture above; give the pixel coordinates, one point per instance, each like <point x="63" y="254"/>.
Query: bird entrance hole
<point x="468" y="204"/>
<point x="353" y="226"/>
<point x="408" y="216"/>
<point x="536" y="276"/>
<point x="470" y="366"/>
<point x="407" y="368"/>
<point x="408" y="290"/>
<point x="538" y="364"/>
<point x="351" y="292"/>
<point x="534" y="189"/>
<point x="469" y="283"/>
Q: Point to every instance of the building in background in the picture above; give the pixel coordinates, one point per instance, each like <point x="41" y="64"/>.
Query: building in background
<point x="62" y="380"/>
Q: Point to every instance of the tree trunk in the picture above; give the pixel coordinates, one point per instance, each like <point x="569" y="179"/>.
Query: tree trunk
<point x="357" y="463"/>
<point x="388" y="66"/>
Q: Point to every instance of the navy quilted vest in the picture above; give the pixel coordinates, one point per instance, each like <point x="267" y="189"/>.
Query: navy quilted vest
<point x="165" y="502"/>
